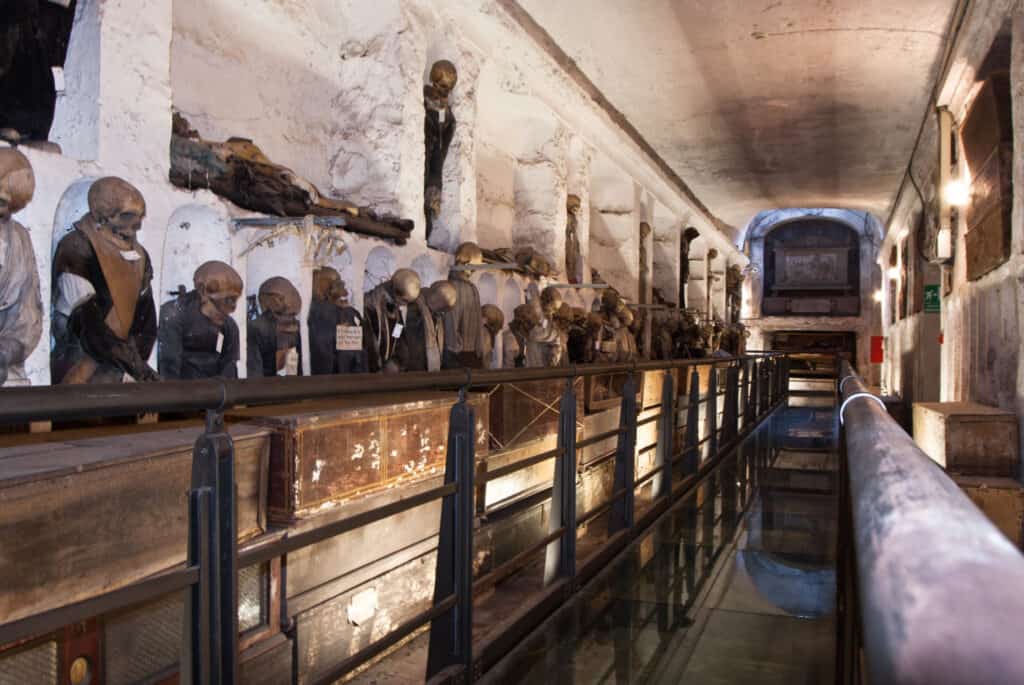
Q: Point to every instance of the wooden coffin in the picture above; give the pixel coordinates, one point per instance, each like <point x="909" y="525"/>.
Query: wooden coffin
<point x="1002" y="500"/>
<point x="521" y="412"/>
<point x="968" y="438"/>
<point x="325" y="452"/>
<point x="85" y="516"/>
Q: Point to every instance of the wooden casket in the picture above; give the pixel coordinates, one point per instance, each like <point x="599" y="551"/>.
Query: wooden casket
<point x="326" y="452"/>
<point x="86" y="515"/>
<point x="968" y="438"/>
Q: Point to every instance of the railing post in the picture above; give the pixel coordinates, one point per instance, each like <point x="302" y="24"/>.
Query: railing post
<point x="691" y="463"/>
<point x="732" y="380"/>
<point x="785" y="376"/>
<point x="211" y="609"/>
<point x="625" y="460"/>
<point x="712" y="412"/>
<point x="451" y="636"/>
<point x="744" y="392"/>
<point x="560" y="556"/>
<point x="765" y="400"/>
<point x="661" y="484"/>
<point x="755" y="392"/>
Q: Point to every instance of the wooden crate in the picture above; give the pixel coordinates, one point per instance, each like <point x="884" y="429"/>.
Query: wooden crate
<point x="325" y="452"/>
<point x="968" y="438"/>
<point x="89" y="515"/>
<point x="1002" y="500"/>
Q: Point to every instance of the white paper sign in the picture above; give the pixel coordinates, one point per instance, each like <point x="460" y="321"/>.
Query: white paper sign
<point x="58" y="79"/>
<point x="220" y="342"/>
<point x="396" y="332"/>
<point x="291" y="363"/>
<point x="130" y="255"/>
<point x="348" y="338"/>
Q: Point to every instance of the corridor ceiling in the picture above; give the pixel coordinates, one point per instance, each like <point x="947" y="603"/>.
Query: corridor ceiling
<point x="764" y="104"/>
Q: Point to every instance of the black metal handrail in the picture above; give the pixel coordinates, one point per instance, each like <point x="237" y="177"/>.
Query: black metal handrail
<point x="210" y="652"/>
<point x="938" y="586"/>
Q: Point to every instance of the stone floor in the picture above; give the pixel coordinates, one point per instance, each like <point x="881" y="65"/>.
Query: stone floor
<point x="737" y="585"/>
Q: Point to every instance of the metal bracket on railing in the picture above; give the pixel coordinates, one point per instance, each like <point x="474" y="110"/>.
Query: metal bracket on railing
<point x="210" y="652"/>
<point x="842" y="383"/>
<point x="854" y="396"/>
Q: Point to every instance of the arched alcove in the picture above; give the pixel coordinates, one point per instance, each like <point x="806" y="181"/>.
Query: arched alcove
<point x="380" y="264"/>
<point x="427" y="269"/>
<point x="488" y="287"/>
<point x="73" y="205"/>
<point x="195" y="234"/>
<point x="511" y="297"/>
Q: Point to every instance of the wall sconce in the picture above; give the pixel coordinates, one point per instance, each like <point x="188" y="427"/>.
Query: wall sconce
<point x="893" y="273"/>
<point x="878" y="296"/>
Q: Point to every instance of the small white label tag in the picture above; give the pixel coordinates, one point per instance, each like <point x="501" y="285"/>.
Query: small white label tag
<point x="130" y="255"/>
<point x="220" y="342"/>
<point x="396" y="332"/>
<point x="58" y="79"/>
<point x="441" y="114"/>
<point x="291" y="363"/>
<point x="608" y="346"/>
<point x="348" y="338"/>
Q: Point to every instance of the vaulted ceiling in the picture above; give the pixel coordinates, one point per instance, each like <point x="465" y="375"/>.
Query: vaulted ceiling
<point x="763" y="104"/>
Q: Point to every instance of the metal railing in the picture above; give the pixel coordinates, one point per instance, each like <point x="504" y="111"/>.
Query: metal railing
<point x="754" y="385"/>
<point x="929" y="588"/>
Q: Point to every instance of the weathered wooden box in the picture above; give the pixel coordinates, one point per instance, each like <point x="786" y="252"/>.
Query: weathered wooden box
<point x="1002" y="500"/>
<point x="88" y="515"/>
<point x="968" y="438"/>
<point x="324" y="452"/>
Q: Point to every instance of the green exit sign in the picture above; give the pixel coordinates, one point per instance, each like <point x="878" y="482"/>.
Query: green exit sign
<point x="932" y="301"/>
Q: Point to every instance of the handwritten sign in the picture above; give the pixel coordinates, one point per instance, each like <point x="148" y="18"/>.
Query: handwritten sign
<point x="348" y="338"/>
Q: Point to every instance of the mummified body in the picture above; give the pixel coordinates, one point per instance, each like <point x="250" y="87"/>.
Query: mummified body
<point x="439" y="129"/>
<point x="21" y="310"/>
<point x="422" y="344"/>
<point x="335" y="327"/>
<point x="493" y="321"/>
<point x="274" y="343"/>
<point x="463" y="340"/>
<point x="197" y="336"/>
<point x="384" y="322"/>
<point x="104" y="317"/>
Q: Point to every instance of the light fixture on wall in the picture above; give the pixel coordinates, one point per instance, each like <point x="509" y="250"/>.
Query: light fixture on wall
<point x="893" y="273"/>
<point x="957" y="193"/>
<point x="878" y="296"/>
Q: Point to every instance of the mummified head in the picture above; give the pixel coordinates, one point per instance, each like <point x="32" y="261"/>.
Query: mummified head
<point x="328" y="286"/>
<point x="279" y="297"/>
<point x="219" y="287"/>
<point x="17" y="182"/>
<point x="406" y="285"/>
<point x="118" y="208"/>
<point x="444" y="76"/>
<point x="441" y="297"/>
<point x="494" y="318"/>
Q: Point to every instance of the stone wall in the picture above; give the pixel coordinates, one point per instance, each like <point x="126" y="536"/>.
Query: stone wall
<point x="333" y="90"/>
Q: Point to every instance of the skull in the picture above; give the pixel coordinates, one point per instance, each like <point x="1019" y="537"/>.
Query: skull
<point x="118" y="208"/>
<point x="17" y="183"/>
<point x="573" y="204"/>
<point x="525" y="318"/>
<point x="611" y="301"/>
<point x="328" y="286"/>
<point x="406" y="286"/>
<point x="494" y="318"/>
<point x="469" y="253"/>
<point x="219" y="287"/>
<point x="441" y="297"/>
<point x="443" y="76"/>
<point x="279" y="297"/>
<point x="550" y="301"/>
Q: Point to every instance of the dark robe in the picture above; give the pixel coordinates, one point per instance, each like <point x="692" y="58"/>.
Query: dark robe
<point x="188" y="342"/>
<point x="438" y="137"/>
<point x="324" y="355"/>
<point x="423" y="330"/>
<point x="262" y="346"/>
<point x="462" y="326"/>
<point x="381" y="314"/>
<point x="84" y="343"/>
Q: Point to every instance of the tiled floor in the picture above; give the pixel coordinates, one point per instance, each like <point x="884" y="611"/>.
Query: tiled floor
<point x="737" y="585"/>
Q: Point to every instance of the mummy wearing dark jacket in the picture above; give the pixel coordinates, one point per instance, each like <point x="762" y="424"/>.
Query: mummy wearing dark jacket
<point x="198" y="338"/>
<point x="104" y="316"/>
